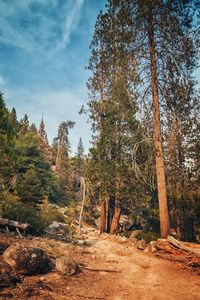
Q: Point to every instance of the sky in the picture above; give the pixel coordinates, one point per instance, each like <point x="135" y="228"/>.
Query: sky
<point x="44" y="48"/>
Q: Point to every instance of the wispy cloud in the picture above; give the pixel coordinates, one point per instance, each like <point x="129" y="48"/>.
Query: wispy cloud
<point x="2" y="80"/>
<point x="38" y="25"/>
<point x="71" y="22"/>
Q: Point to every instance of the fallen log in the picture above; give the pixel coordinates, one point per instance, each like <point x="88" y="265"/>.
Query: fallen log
<point x="10" y="224"/>
<point x="179" y="245"/>
<point x="174" y="258"/>
<point x="194" y="264"/>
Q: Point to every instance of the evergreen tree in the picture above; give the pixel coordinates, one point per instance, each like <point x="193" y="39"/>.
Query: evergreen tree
<point x="6" y="146"/>
<point x="29" y="187"/>
<point x="61" y="148"/>
<point x="44" y="144"/>
<point x="131" y="38"/>
<point x="79" y="157"/>
<point x="24" y="125"/>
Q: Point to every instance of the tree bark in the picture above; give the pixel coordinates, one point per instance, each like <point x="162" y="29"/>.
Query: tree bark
<point x="115" y="221"/>
<point x="103" y="216"/>
<point x="160" y="170"/>
<point x="103" y="201"/>
<point x="82" y="180"/>
<point x="178" y="228"/>
<point x="111" y="211"/>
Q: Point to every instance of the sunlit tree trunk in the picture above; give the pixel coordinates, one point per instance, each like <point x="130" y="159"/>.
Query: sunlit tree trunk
<point x="160" y="169"/>
<point x="115" y="221"/>
<point x="103" y="201"/>
<point x="103" y="216"/>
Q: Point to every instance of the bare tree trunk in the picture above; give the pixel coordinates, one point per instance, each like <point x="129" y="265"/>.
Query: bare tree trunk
<point x="57" y="157"/>
<point x="103" y="201"/>
<point x="111" y="211"/>
<point x="115" y="221"/>
<point x="160" y="170"/>
<point x="83" y="202"/>
<point x="178" y="228"/>
<point x="103" y="216"/>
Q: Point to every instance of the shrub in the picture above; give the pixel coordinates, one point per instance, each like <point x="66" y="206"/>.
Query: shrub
<point x="52" y="214"/>
<point x="25" y="214"/>
<point x="147" y="236"/>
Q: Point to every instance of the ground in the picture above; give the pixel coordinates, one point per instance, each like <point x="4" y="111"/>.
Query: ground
<point x="136" y="274"/>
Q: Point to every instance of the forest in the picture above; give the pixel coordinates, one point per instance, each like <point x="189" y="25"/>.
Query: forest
<point x="90" y="212"/>
<point x="144" y="114"/>
<point x="143" y="107"/>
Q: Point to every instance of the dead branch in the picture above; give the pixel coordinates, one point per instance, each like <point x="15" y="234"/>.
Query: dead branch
<point x="90" y="297"/>
<point x="101" y="270"/>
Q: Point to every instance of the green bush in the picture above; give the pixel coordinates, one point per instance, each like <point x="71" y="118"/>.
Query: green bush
<point x="25" y="214"/>
<point x="147" y="236"/>
<point x="52" y="214"/>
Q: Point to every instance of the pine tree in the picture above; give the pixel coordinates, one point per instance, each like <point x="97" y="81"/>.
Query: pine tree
<point x="44" y="144"/>
<point x="61" y="149"/>
<point x="24" y="125"/>
<point x="29" y="187"/>
<point x="6" y="146"/>
<point x="143" y="41"/>
<point x="79" y="157"/>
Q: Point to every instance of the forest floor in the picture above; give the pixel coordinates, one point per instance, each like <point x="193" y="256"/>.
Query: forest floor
<point x="138" y="276"/>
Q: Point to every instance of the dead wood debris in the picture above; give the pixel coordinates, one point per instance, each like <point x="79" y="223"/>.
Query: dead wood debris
<point x="174" y="250"/>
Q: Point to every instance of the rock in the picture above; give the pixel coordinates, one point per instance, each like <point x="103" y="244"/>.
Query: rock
<point x="27" y="260"/>
<point x="7" y="278"/>
<point x="3" y="247"/>
<point x="134" y="241"/>
<point x="141" y="245"/>
<point x="122" y="240"/>
<point x="67" y="266"/>
<point x="152" y="246"/>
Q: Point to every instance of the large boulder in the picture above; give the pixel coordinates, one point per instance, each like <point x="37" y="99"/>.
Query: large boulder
<point x="27" y="260"/>
<point x="67" y="266"/>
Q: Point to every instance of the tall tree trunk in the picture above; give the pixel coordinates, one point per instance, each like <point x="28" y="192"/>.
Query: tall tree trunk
<point x="111" y="211"/>
<point x="160" y="170"/>
<point x="103" y="201"/>
<point x="82" y="180"/>
<point x="57" y="157"/>
<point x="178" y="228"/>
<point x="103" y="216"/>
<point x="115" y="221"/>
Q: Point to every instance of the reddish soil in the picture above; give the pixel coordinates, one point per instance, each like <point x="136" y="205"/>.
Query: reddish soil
<point x="139" y="276"/>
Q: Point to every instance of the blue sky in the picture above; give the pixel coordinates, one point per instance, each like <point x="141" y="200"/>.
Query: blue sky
<point x="44" y="48"/>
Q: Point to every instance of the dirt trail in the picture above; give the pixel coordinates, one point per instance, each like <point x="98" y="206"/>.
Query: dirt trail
<point x="142" y="275"/>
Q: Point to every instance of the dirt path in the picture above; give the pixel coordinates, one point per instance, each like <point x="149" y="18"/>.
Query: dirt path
<point x="140" y="276"/>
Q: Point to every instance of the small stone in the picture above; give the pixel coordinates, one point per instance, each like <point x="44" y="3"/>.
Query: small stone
<point x="3" y="247"/>
<point x="67" y="266"/>
<point x="123" y="240"/>
<point x="152" y="246"/>
<point x="141" y="245"/>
